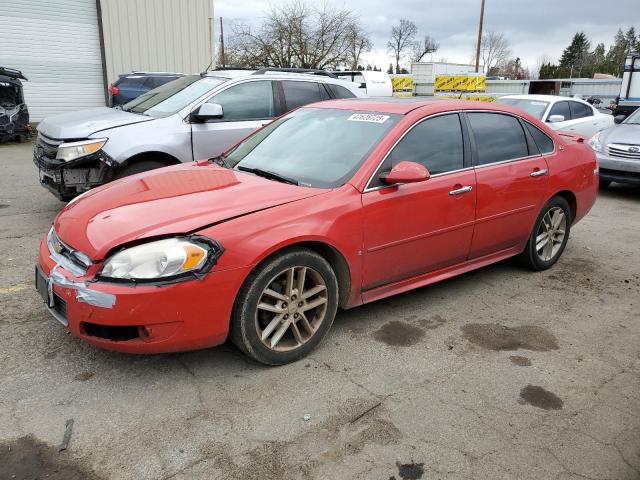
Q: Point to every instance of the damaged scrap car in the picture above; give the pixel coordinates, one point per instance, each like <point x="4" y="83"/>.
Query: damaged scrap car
<point x="191" y="118"/>
<point x="333" y="205"/>
<point x="14" y="115"/>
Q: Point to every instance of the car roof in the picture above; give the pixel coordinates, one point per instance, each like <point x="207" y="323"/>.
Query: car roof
<point x="402" y="106"/>
<point x="544" y="98"/>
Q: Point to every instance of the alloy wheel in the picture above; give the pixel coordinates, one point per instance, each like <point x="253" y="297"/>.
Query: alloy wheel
<point x="291" y="308"/>
<point x="551" y="233"/>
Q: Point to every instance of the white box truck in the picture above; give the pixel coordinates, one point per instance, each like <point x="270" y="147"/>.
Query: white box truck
<point x="629" y="98"/>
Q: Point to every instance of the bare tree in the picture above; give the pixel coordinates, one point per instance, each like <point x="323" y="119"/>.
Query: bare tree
<point x="494" y="50"/>
<point x="359" y="43"/>
<point x="543" y="59"/>
<point x="303" y="35"/>
<point x="402" y="36"/>
<point x="426" y="46"/>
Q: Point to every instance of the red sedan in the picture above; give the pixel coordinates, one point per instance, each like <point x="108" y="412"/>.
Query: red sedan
<point x="333" y="205"/>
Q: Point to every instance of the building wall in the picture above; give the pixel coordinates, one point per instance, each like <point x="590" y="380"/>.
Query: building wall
<point x="156" y="35"/>
<point x="55" y="43"/>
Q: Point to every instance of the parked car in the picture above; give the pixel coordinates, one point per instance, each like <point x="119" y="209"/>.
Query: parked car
<point x="14" y="114"/>
<point x="562" y="113"/>
<point x="192" y="118"/>
<point x="131" y="85"/>
<point x="333" y="205"/>
<point x="618" y="151"/>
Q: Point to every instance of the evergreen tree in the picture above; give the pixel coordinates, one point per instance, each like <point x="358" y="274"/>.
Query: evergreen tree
<point x="575" y="56"/>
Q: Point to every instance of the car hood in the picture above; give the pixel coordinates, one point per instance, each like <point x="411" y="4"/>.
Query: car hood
<point x="79" y="125"/>
<point x="172" y="200"/>
<point x="623" y="133"/>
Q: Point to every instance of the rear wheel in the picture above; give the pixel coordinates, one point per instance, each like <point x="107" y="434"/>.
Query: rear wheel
<point x="139" y="167"/>
<point x="550" y="235"/>
<point x="285" y="308"/>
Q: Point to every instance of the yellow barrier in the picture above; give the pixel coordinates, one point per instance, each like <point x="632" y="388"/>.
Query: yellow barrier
<point x="460" y="83"/>
<point x="466" y="96"/>
<point x="402" y="86"/>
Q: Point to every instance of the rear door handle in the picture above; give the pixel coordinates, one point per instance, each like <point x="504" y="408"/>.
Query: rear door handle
<point x="539" y="173"/>
<point x="460" y="191"/>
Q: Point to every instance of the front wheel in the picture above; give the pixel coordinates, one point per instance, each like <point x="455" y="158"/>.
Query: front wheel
<point x="285" y="308"/>
<point x="604" y="184"/>
<point x="139" y="167"/>
<point x="550" y="235"/>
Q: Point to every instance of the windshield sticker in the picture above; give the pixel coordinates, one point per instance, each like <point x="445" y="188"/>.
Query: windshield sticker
<point x="368" y="117"/>
<point x="538" y="104"/>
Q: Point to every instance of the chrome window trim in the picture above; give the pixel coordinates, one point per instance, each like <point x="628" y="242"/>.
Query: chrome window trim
<point x="373" y="189"/>
<point x="367" y="188"/>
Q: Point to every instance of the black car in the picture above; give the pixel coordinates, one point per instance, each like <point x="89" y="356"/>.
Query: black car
<point x="132" y="85"/>
<point x="14" y="115"/>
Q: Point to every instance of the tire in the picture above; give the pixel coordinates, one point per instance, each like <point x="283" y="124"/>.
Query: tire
<point x="297" y="326"/>
<point x="541" y="259"/>
<point x="139" y="167"/>
<point x="604" y="184"/>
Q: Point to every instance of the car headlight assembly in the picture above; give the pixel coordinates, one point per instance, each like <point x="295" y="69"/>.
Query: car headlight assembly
<point x="594" y="142"/>
<point x="73" y="150"/>
<point x="163" y="261"/>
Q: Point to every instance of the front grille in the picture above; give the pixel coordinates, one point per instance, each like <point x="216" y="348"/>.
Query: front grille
<point x="60" y="305"/>
<point x="627" y="152"/>
<point x="48" y="145"/>
<point x="74" y="261"/>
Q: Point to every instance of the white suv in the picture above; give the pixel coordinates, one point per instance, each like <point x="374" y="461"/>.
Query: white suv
<point x="191" y="118"/>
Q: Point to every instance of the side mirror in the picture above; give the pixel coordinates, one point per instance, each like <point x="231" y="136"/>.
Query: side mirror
<point x="208" y="111"/>
<point x="556" y="118"/>
<point x="619" y="119"/>
<point x="406" y="172"/>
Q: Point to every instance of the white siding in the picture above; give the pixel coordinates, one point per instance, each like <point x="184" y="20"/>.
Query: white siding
<point x="55" y="43"/>
<point x="156" y="35"/>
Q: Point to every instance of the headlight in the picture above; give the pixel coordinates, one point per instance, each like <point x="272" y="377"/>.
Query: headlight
<point x="73" y="150"/>
<point x="595" y="142"/>
<point x="179" y="257"/>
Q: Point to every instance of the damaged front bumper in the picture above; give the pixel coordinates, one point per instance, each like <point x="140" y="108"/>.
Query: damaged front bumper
<point x="136" y="318"/>
<point x="69" y="179"/>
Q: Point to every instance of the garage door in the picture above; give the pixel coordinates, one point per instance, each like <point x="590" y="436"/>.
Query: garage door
<point x="55" y="43"/>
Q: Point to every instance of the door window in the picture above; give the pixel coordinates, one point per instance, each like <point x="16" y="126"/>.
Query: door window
<point x="560" y="108"/>
<point x="580" y="110"/>
<point x="435" y="143"/>
<point x="498" y="137"/>
<point x="246" y="101"/>
<point x="297" y="94"/>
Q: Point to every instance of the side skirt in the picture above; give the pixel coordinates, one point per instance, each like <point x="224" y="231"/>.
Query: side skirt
<point x="436" y="276"/>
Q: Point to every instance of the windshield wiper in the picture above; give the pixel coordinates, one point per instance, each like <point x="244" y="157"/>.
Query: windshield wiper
<point x="268" y="174"/>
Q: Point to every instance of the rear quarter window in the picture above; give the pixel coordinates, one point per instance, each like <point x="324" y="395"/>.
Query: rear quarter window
<point x="541" y="139"/>
<point x="340" y="92"/>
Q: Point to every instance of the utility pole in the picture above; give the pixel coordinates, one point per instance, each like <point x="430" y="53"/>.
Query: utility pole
<point x="222" y="59"/>
<point x="479" y="36"/>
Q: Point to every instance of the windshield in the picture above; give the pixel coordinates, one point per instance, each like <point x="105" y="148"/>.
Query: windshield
<point x="535" y="108"/>
<point x="173" y="96"/>
<point x="316" y="147"/>
<point x="634" y="117"/>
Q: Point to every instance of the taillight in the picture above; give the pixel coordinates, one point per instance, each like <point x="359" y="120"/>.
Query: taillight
<point x="114" y="90"/>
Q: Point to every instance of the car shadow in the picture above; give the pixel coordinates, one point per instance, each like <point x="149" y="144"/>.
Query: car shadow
<point x="621" y="191"/>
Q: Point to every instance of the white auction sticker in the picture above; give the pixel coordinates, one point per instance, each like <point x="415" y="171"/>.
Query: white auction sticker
<point x="538" y="104"/>
<point x="368" y="117"/>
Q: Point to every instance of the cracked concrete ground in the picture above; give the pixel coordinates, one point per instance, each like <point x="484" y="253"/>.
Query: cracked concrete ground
<point x="501" y="373"/>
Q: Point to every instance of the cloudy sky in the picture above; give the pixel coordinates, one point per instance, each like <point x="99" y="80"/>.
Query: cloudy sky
<point x="533" y="27"/>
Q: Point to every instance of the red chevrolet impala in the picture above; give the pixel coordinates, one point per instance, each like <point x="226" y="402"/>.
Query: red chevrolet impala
<point x="333" y="205"/>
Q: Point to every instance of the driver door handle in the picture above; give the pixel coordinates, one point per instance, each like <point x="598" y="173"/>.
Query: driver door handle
<point x="460" y="191"/>
<point x="538" y="173"/>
